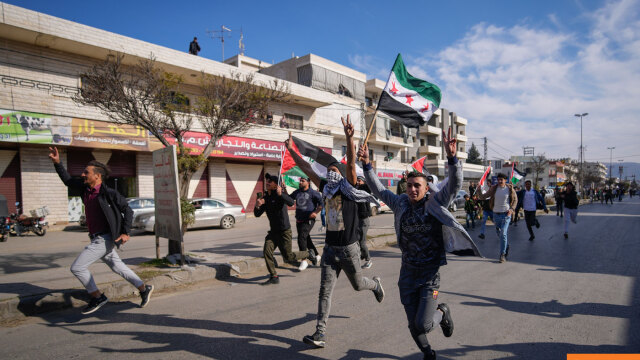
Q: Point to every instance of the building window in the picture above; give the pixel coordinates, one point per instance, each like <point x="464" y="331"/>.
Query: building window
<point x="344" y="150"/>
<point x="368" y="101"/>
<point x="290" y="121"/>
<point x="421" y="142"/>
<point x="370" y="154"/>
<point x="389" y="156"/>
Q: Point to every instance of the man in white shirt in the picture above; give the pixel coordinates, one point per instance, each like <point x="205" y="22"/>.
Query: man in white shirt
<point x="531" y="200"/>
<point x="502" y="200"/>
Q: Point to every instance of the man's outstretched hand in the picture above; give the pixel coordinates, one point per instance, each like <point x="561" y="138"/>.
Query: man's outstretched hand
<point x="348" y="127"/>
<point x="363" y="153"/>
<point x="450" y="144"/>
<point x="53" y="155"/>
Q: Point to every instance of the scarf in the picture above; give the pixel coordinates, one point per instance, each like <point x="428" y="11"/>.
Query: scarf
<point x="336" y="182"/>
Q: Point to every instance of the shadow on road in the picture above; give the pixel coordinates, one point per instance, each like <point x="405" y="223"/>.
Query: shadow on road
<point x="17" y="263"/>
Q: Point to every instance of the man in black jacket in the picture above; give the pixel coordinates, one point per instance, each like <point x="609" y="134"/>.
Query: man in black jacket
<point x="364" y="212"/>
<point x="108" y="229"/>
<point x="275" y="203"/>
<point x="194" y="47"/>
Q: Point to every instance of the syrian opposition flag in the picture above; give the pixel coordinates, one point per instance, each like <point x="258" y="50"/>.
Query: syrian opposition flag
<point x="516" y="175"/>
<point x="321" y="160"/>
<point x="407" y="99"/>
<point x="290" y="173"/>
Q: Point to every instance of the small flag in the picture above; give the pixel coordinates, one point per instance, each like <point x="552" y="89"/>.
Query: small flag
<point x="484" y="177"/>
<point x="418" y="165"/>
<point x="407" y="99"/>
<point x="517" y="175"/>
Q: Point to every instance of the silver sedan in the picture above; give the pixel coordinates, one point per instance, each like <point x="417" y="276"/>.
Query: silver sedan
<point x="209" y="212"/>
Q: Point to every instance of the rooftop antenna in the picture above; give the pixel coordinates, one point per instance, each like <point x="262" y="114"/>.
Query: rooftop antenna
<point x="220" y="34"/>
<point x="240" y="43"/>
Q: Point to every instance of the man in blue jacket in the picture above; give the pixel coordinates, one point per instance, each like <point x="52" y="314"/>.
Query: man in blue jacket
<point x="425" y="230"/>
<point x="530" y="200"/>
<point x="108" y="228"/>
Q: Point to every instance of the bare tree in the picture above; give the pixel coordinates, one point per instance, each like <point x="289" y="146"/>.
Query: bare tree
<point x="145" y="95"/>
<point x="538" y="165"/>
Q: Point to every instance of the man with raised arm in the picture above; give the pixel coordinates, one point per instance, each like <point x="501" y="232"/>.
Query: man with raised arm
<point x="425" y="230"/>
<point x="342" y="249"/>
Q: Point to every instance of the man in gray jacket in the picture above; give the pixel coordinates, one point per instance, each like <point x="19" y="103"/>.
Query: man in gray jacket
<point x="425" y="230"/>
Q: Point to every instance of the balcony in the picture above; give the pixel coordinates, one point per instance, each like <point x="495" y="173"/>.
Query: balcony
<point x="461" y="137"/>
<point x="429" y="129"/>
<point x="429" y="149"/>
<point x="461" y="155"/>
<point x="461" y="120"/>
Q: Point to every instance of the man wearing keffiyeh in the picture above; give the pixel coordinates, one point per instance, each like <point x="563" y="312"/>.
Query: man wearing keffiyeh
<point x="342" y="248"/>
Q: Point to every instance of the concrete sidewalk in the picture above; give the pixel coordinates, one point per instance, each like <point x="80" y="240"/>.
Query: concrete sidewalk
<point x="28" y="293"/>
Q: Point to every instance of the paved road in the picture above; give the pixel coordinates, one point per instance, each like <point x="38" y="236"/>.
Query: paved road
<point x="552" y="297"/>
<point x="33" y="264"/>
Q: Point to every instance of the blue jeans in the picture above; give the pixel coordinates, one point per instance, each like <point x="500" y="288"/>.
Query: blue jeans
<point x="472" y="217"/>
<point x="322" y="214"/>
<point x="502" y="221"/>
<point x="485" y="216"/>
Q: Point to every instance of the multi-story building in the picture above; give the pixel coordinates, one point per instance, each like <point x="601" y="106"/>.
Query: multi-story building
<point x="596" y="174"/>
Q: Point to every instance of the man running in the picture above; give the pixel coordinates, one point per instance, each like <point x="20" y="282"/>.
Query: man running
<point x="530" y="200"/>
<point x="308" y="206"/>
<point x="109" y="221"/>
<point x="503" y="201"/>
<point x="571" y="203"/>
<point x="342" y="249"/>
<point x="275" y="203"/>
<point x="425" y="230"/>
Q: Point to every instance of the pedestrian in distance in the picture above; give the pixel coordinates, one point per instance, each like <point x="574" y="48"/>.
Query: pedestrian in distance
<point x="275" y="203"/>
<point x="308" y="206"/>
<point x="559" y="196"/>
<point x="109" y="219"/>
<point x="194" y="47"/>
<point x="571" y="203"/>
<point x="531" y="200"/>
<point x="425" y="231"/>
<point x="401" y="188"/>
<point x="364" y="212"/>
<point x="503" y="200"/>
<point x="342" y="248"/>
<point x="516" y="214"/>
<point x="470" y="211"/>
<point x="487" y="213"/>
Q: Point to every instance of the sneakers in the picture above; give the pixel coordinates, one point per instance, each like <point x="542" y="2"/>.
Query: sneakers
<point x="531" y="237"/>
<point x="303" y="265"/>
<point x="430" y="356"/>
<point x="367" y="264"/>
<point x="273" y="280"/>
<point x="447" y="322"/>
<point x="378" y="291"/>
<point x="503" y="258"/>
<point x="318" y="339"/>
<point x="566" y="236"/>
<point x="481" y="236"/>
<point x="146" y="295"/>
<point x="95" y="304"/>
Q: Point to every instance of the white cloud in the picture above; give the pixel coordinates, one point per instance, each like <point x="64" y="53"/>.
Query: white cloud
<point x="520" y="86"/>
<point x="372" y="66"/>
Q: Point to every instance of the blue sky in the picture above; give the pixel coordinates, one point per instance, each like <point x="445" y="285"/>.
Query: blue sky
<point x="517" y="70"/>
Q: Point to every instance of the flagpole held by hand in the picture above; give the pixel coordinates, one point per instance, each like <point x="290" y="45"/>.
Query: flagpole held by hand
<point x="373" y="121"/>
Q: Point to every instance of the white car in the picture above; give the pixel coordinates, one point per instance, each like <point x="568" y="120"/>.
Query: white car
<point x="375" y="210"/>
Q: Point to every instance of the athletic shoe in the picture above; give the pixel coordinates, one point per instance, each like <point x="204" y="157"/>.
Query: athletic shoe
<point x="447" y="322"/>
<point x="273" y="280"/>
<point x="430" y="356"/>
<point x="146" y="295"/>
<point x="95" y="304"/>
<point x="378" y="291"/>
<point x="367" y="264"/>
<point x="531" y="238"/>
<point x="303" y="265"/>
<point x="313" y="257"/>
<point x="503" y="258"/>
<point x="481" y="236"/>
<point x="318" y="260"/>
<point x="566" y="236"/>
<point x="318" y="339"/>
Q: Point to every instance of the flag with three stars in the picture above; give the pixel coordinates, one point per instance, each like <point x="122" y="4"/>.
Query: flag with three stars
<point x="407" y="99"/>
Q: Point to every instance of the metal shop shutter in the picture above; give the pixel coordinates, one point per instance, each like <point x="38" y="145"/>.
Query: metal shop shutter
<point x="202" y="189"/>
<point x="10" y="185"/>
<point x="122" y="164"/>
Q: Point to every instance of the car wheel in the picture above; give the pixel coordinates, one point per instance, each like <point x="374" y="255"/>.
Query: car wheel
<point x="454" y="207"/>
<point x="227" y="222"/>
<point x="374" y="211"/>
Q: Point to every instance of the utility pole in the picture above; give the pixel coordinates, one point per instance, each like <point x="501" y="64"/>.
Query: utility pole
<point x="485" y="152"/>
<point x="581" y="148"/>
<point x="220" y="34"/>
<point x="610" y="160"/>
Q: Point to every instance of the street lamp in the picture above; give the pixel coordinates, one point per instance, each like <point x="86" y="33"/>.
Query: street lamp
<point x="581" y="148"/>
<point x="610" y="160"/>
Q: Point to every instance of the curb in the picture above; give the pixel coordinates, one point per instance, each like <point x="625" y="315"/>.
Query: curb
<point x="20" y="308"/>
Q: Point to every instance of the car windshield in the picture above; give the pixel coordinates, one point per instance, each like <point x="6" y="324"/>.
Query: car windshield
<point x="140" y="203"/>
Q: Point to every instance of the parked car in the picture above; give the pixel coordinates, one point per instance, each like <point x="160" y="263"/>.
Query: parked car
<point x="375" y="210"/>
<point x="548" y="193"/>
<point x="209" y="212"/>
<point x="139" y="205"/>
<point x="458" y="201"/>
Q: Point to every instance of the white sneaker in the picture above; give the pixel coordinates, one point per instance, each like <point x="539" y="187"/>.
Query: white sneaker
<point x="318" y="259"/>
<point x="303" y="265"/>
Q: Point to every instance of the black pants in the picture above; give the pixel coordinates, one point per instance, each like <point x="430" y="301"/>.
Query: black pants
<point x="530" y="219"/>
<point x="559" y="208"/>
<point x="304" y="239"/>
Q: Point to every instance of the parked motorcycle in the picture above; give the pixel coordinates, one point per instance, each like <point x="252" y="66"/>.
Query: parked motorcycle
<point x="36" y="223"/>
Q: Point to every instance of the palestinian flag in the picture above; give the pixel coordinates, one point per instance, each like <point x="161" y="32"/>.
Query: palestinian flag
<point x="516" y="175"/>
<point x="291" y="173"/>
<point x="484" y="177"/>
<point x="407" y="99"/>
<point x="418" y="165"/>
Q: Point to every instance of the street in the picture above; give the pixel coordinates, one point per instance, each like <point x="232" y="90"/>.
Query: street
<point x="552" y="297"/>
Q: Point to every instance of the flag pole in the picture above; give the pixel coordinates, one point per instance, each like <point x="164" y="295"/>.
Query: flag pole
<point x="373" y="121"/>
